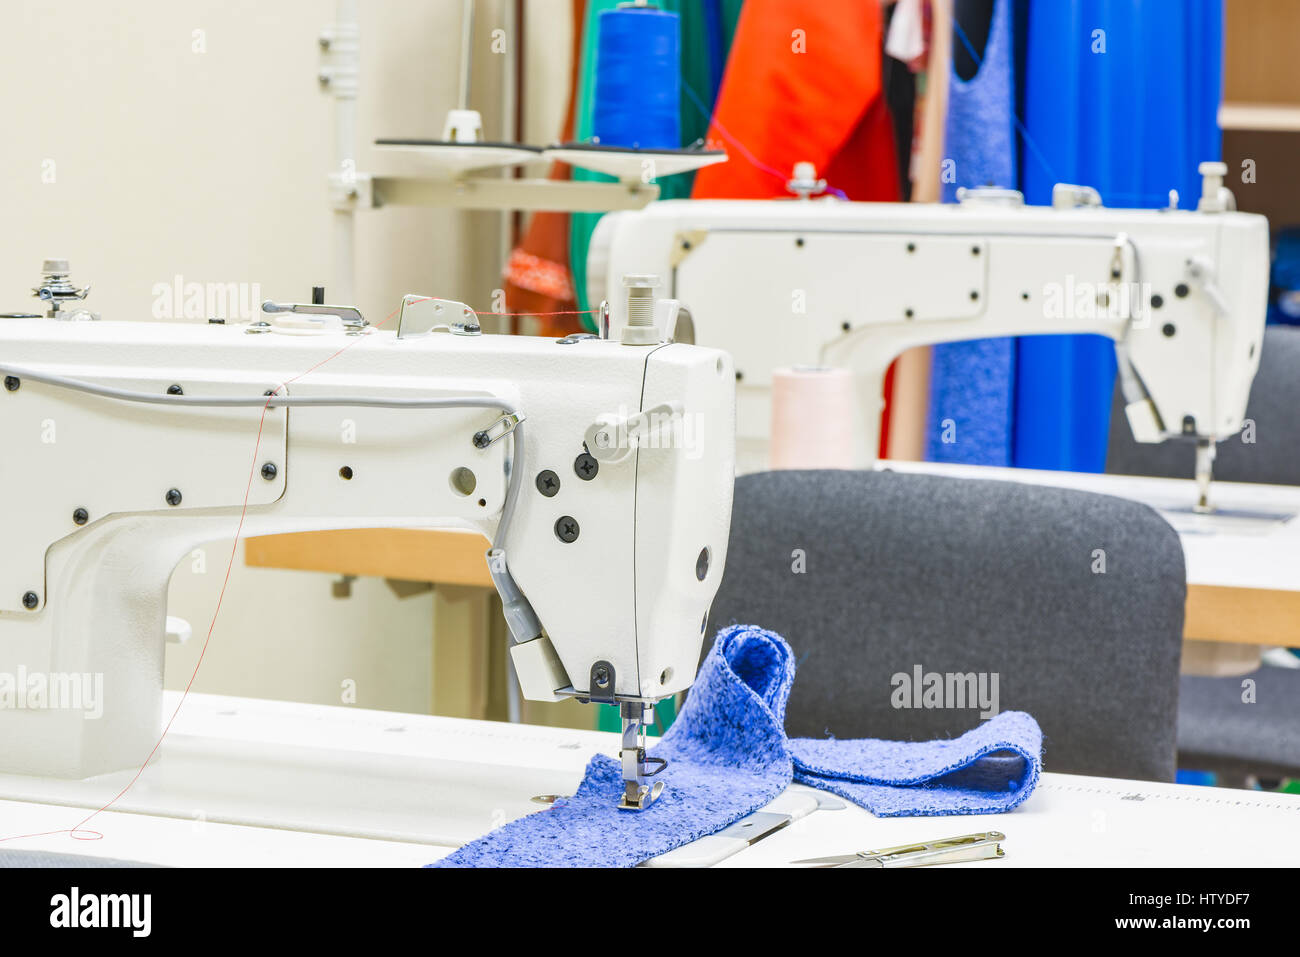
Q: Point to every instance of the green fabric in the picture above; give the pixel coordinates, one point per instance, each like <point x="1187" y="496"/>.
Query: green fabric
<point x="607" y="718"/>
<point x="695" y="64"/>
<point x="695" y="74"/>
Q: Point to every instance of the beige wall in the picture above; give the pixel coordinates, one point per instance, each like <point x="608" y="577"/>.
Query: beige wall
<point x="282" y="634"/>
<point x="141" y="149"/>
<point x="548" y="32"/>
<point x="212" y="164"/>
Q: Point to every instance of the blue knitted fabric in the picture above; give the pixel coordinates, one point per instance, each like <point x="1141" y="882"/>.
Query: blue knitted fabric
<point x="972" y="383"/>
<point x="988" y="770"/>
<point x="728" y="755"/>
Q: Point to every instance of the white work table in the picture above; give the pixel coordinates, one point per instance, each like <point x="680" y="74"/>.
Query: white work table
<point x="257" y="783"/>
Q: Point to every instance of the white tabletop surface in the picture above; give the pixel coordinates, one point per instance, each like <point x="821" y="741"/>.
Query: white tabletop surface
<point x="251" y="783"/>
<point x="1228" y="549"/>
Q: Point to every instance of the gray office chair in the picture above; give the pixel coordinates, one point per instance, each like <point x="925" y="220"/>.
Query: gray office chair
<point x="1217" y="731"/>
<point x="1237" y="730"/>
<point x="1074" y="600"/>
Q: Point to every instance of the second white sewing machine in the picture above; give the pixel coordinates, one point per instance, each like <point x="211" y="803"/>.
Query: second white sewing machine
<point x="820" y="282"/>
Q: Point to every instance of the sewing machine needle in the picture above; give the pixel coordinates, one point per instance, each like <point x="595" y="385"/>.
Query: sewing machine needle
<point x="1204" y="471"/>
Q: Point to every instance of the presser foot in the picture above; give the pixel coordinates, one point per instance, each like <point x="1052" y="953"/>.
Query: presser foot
<point x="638" y="792"/>
<point x="638" y="797"/>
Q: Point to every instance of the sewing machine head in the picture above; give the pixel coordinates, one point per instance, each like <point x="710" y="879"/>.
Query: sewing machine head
<point x="600" y="471"/>
<point x="821" y="282"/>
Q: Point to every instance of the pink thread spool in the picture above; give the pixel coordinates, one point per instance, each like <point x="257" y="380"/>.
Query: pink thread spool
<point x="813" y="415"/>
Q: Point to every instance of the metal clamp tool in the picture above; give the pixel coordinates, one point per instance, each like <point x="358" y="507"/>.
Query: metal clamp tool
<point x="968" y="847"/>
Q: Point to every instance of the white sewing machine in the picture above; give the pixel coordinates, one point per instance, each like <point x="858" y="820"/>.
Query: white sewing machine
<point x="130" y="443"/>
<point x="821" y="282"/>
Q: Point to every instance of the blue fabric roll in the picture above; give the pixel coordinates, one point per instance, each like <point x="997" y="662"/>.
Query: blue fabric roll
<point x="971" y="383"/>
<point x="728" y="756"/>
<point x="1122" y="97"/>
<point x="1284" y="297"/>
<point x="638" y="79"/>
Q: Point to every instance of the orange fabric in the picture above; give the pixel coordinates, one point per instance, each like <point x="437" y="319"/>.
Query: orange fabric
<point x="823" y="104"/>
<point x="543" y="276"/>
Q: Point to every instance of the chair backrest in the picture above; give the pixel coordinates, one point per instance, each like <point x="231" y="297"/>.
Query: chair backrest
<point x="1267" y="451"/>
<point x="1073" y="600"/>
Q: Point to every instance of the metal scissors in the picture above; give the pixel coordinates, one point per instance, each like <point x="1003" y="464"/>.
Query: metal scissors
<point x="968" y="847"/>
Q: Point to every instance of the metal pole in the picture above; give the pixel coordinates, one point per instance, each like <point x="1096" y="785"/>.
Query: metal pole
<point x="342" y="46"/>
<point x="466" y="52"/>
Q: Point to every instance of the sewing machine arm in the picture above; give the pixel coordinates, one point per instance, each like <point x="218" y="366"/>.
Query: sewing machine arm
<point x="132" y="444"/>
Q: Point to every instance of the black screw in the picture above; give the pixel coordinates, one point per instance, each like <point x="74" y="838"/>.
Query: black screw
<point x="586" y="466"/>
<point x="846" y="326"/>
<point x="908" y="313"/>
<point x="269" y="471"/>
<point x="799" y="242"/>
<point x="566" y="528"/>
<point x="1024" y="296"/>
<point x="1168" y="329"/>
<point x="974" y="295"/>
<point x="600" y="675"/>
<point x="911" y="247"/>
<point x="739" y="375"/>
<point x="1157" y="301"/>
<point x="175" y="390"/>
<point x="12" y="382"/>
<point x="548" y="483"/>
<point x="80" y="516"/>
<point x="173" y="496"/>
<point x="31" y="599"/>
<point x="974" y="250"/>
<point x="269" y="392"/>
<point x="482" y="440"/>
<point x="1181" y="290"/>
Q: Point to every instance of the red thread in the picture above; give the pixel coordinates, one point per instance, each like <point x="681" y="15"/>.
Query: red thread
<point x="570" y="312"/>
